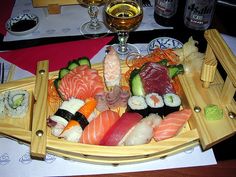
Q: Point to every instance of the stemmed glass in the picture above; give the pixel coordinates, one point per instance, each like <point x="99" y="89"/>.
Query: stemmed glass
<point x="123" y="16"/>
<point x="93" y="28"/>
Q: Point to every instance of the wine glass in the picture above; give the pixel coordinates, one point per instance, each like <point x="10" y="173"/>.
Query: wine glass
<point x="93" y="28"/>
<point x="123" y="16"/>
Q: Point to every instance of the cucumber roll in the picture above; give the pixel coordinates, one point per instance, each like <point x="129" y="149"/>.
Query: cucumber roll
<point x="16" y="103"/>
<point x="2" y="106"/>
<point x="137" y="104"/>
<point x="155" y="103"/>
<point x="172" y="103"/>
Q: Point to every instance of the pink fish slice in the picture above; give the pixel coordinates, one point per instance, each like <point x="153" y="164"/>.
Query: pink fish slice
<point x="171" y="125"/>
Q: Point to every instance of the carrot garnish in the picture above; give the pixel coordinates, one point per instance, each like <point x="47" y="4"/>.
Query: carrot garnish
<point x="53" y="99"/>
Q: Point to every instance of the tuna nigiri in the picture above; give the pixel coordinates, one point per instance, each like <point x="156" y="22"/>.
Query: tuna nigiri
<point x="98" y="127"/>
<point x="78" y="122"/>
<point x="112" y="70"/>
<point x="120" y="128"/>
<point x="171" y="125"/>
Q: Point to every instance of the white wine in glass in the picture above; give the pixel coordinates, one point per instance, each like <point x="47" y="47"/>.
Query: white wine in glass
<point x="94" y="28"/>
<point x="123" y="16"/>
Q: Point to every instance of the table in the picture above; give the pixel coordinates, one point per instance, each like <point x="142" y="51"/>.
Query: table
<point x="224" y="151"/>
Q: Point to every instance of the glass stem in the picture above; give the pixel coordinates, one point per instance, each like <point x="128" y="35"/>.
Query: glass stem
<point x="93" y="13"/>
<point x="123" y="37"/>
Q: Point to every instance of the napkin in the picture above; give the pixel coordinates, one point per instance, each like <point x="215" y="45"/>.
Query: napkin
<point x="5" y="10"/>
<point x="58" y="54"/>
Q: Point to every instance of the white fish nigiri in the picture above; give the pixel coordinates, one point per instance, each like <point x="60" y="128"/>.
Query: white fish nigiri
<point x="142" y="133"/>
<point x="112" y="70"/>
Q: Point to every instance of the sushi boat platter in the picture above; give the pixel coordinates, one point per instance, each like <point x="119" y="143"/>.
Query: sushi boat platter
<point x="32" y="116"/>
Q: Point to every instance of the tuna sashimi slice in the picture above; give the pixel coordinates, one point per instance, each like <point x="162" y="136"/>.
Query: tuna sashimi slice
<point x="120" y="128"/>
<point x="98" y="127"/>
<point x="171" y="125"/>
<point x="155" y="79"/>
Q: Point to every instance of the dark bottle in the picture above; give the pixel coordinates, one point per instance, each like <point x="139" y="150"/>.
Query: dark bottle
<point x="198" y="14"/>
<point x="165" y="12"/>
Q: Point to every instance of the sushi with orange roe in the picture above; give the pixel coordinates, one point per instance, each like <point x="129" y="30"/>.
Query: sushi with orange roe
<point x="79" y="121"/>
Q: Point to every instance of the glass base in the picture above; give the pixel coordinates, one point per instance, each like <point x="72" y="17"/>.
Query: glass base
<point x="91" y="31"/>
<point x="130" y="49"/>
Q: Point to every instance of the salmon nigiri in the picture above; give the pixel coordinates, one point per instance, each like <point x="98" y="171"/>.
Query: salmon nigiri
<point x="98" y="127"/>
<point x="171" y="125"/>
<point x="78" y="122"/>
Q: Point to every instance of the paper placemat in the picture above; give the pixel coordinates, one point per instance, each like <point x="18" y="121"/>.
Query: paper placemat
<point x="69" y="21"/>
<point x="15" y="161"/>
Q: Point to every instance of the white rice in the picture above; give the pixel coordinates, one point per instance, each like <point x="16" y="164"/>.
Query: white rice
<point x="2" y="106"/>
<point x="71" y="106"/>
<point x="13" y="109"/>
<point x="137" y="103"/>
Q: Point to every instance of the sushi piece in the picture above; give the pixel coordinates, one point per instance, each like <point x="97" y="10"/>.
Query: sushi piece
<point x="120" y="129"/>
<point x="155" y="103"/>
<point x="171" y="125"/>
<point x="2" y="106"/>
<point x="137" y="104"/>
<point x="112" y="69"/>
<point x="78" y="122"/>
<point x="16" y="103"/>
<point x="172" y="103"/>
<point x="82" y="82"/>
<point x="142" y="133"/>
<point x="63" y="115"/>
<point x="98" y="127"/>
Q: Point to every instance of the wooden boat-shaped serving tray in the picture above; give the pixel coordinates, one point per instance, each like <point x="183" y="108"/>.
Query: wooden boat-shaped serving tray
<point x="32" y="129"/>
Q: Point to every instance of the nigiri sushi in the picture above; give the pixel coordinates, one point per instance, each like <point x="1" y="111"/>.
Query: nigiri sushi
<point x="172" y="123"/>
<point x="120" y="128"/>
<point x="142" y="133"/>
<point x="112" y="70"/>
<point x="98" y="127"/>
<point x="78" y="122"/>
<point x="65" y="112"/>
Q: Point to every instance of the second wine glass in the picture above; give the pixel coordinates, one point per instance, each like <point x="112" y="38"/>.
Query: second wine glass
<point x="93" y="28"/>
<point x="123" y="16"/>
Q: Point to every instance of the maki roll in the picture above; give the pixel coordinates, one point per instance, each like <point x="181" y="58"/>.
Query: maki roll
<point x="2" y="106"/>
<point x="172" y="103"/>
<point x="16" y="103"/>
<point x="155" y="103"/>
<point x="138" y="104"/>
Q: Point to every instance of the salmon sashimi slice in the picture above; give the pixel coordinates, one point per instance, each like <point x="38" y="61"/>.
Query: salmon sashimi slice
<point x="82" y="83"/>
<point x="171" y="125"/>
<point x="98" y="127"/>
